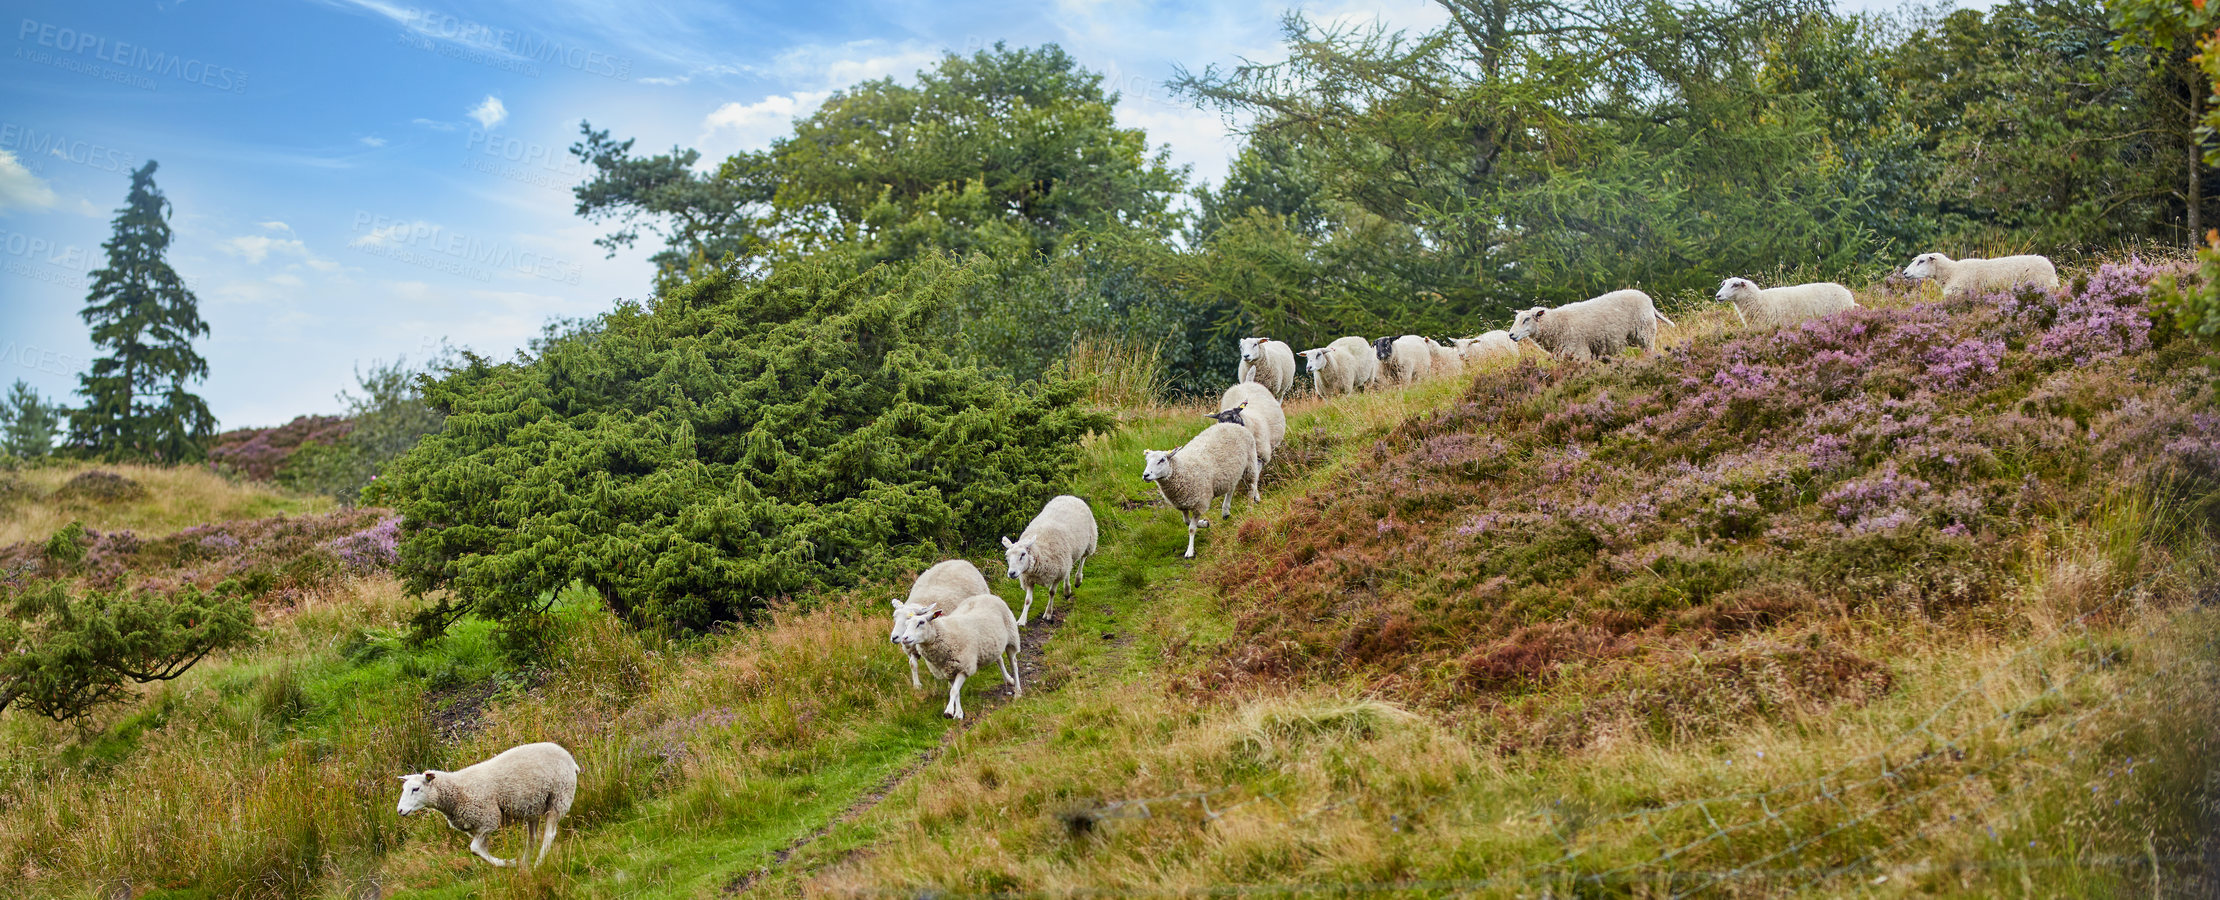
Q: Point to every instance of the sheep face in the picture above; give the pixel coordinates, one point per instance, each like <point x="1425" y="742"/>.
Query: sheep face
<point x="1159" y="465"/>
<point x="1228" y="416"/>
<point x="1733" y="286"/>
<point x="913" y="629"/>
<point x="1384" y="347"/>
<point x="1318" y="360"/>
<point x="1252" y="349"/>
<point x="1019" y="555"/>
<point x="1528" y="320"/>
<point x="1923" y="265"/>
<point x="416" y="791"/>
<point x="903" y="612"/>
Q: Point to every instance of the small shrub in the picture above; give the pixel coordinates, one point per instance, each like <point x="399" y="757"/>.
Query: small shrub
<point x="100" y="486"/>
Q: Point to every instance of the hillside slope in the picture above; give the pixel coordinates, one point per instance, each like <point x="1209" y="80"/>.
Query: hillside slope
<point x="1907" y="595"/>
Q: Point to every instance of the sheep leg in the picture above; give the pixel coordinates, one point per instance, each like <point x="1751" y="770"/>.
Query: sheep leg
<point x="915" y="684"/>
<point x="548" y="838"/>
<point x="1010" y="670"/>
<point x="478" y="846"/>
<point x="955" y="707"/>
<point x="1190" y="554"/>
<point x="1028" y="611"/>
<point x="1226" y="511"/>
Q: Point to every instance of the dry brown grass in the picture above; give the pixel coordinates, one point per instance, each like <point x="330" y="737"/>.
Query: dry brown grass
<point x="177" y="497"/>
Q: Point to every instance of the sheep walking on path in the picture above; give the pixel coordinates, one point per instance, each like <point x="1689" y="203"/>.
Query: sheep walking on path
<point x="1216" y="463"/>
<point x="2002" y="273"/>
<point x="1250" y="406"/>
<point x="533" y="784"/>
<point x="1599" y="327"/>
<point x="954" y="644"/>
<point x="1770" y="307"/>
<point x="1052" y="550"/>
<point x="1269" y="363"/>
<point x="949" y="582"/>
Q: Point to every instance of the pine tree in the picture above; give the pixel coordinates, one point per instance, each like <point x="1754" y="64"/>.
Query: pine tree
<point x="27" y="423"/>
<point x="136" y="403"/>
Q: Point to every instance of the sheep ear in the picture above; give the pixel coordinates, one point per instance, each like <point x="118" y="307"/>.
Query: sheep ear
<point x="404" y="777"/>
<point x="1542" y="312"/>
<point x="1244" y="405"/>
<point x="936" y="612"/>
<point x="428" y="775"/>
<point x="897" y="603"/>
<point x="1006" y="540"/>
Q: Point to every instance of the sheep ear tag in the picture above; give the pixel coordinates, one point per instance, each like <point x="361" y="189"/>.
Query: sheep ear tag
<point x="428" y="776"/>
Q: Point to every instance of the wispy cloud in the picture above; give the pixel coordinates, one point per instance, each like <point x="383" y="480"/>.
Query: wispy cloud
<point x="255" y="248"/>
<point x="20" y="188"/>
<point x="433" y="124"/>
<point x="373" y="141"/>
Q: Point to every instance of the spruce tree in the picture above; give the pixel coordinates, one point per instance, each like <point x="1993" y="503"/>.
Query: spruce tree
<point x="136" y="402"/>
<point x="27" y="423"/>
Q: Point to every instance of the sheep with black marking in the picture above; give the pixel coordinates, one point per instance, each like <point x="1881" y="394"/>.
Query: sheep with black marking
<point x="533" y="784"/>
<point x="1772" y="307"/>
<point x="1598" y="327"/>
<point x="1487" y="346"/>
<point x="1405" y="359"/>
<point x="1250" y="406"/>
<point x="2001" y="273"/>
<point x="949" y="582"/>
<point x="1342" y="367"/>
<point x="1052" y="550"/>
<point x="1269" y="363"/>
<point x="1216" y="463"/>
<point x="954" y="643"/>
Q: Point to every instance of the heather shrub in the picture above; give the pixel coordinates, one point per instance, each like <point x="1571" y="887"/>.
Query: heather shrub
<point x="99" y="486"/>
<point x="1890" y="460"/>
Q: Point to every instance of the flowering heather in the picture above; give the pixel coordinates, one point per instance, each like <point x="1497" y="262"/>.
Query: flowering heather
<point x="259" y="453"/>
<point x="289" y="555"/>
<point x="1895" y="454"/>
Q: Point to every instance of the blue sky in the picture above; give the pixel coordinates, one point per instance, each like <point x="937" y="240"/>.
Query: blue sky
<point x="358" y="180"/>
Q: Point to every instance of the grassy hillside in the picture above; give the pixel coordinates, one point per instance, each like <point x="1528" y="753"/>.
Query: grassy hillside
<point x="1905" y="602"/>
<point x="35" y="502"/>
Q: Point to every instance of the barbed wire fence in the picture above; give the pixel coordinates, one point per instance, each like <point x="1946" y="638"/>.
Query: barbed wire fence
<point x="1804" y="816"/>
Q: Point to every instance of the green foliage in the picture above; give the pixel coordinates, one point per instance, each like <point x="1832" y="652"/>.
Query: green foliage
<point x="141" y="313"/>
<point x="27" y="423"/>
<point x="703" y="219"/>
<point x="729" y="442"/>
<point x="61" y="655"/>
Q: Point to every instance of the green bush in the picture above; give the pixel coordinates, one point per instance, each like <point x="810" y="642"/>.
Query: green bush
<point x="729" y="442"/>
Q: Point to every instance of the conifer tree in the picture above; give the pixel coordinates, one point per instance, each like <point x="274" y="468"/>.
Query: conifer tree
<point x="27" y="423"/>
<point x="136" y="402"/>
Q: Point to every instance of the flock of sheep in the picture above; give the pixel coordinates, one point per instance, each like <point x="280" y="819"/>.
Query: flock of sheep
<point x="954" y="623"/>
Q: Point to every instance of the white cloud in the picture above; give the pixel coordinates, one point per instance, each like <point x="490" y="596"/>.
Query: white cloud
<point x="287" y="280"/>
<point x="277" y="226"/>
<point x="373" y="141"/>
<point x="433" y="124"/>
<point x="255" y="248"/>
<point x="19" y="188"/>
<point x="490" y="112"/>
<point x="395" y="233"/>
<point x="753" y="126"/>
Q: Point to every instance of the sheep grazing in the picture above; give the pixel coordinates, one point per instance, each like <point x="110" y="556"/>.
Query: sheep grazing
<point x="1448" y="363"/>
<point x="1770" y="307"/>
<point x="2002" y="273"/>
<point x="1216" y="463"/>
<point x="1251" y="407"/>
<point x="533" y="784"/>
<point x="1269" y="363"/>
<point x="1592" y="328"/>
<point x="1491" y="345"/>
<point x="1406" y="359"/>
<point x="1053" y="549"/>
<point x="948" y="582"/>
<point x="954" y="643"/>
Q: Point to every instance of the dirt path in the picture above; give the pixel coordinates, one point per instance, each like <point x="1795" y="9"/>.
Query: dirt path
<point x="1030" y="669"/>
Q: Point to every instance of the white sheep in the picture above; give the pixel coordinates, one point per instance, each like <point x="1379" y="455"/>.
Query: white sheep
<point x="1216" y="463"/>
<point x="1448" y="363"/>
<point x="1344" y="366"/>
<point x="1405" y="359"/>
<point x="1250" y="406"/>
<point x="1487" y="346"/>
<point x="533" y="784"/>
<point x="1269" y="363"/>
<point x="1592" y="328"/>
<point x="955" y="642"/>
<point x="2001" y="273"/>
<point x="1769" y="307"/>
<point x="1053" y="549"/>
<point x="948" y="581"/>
